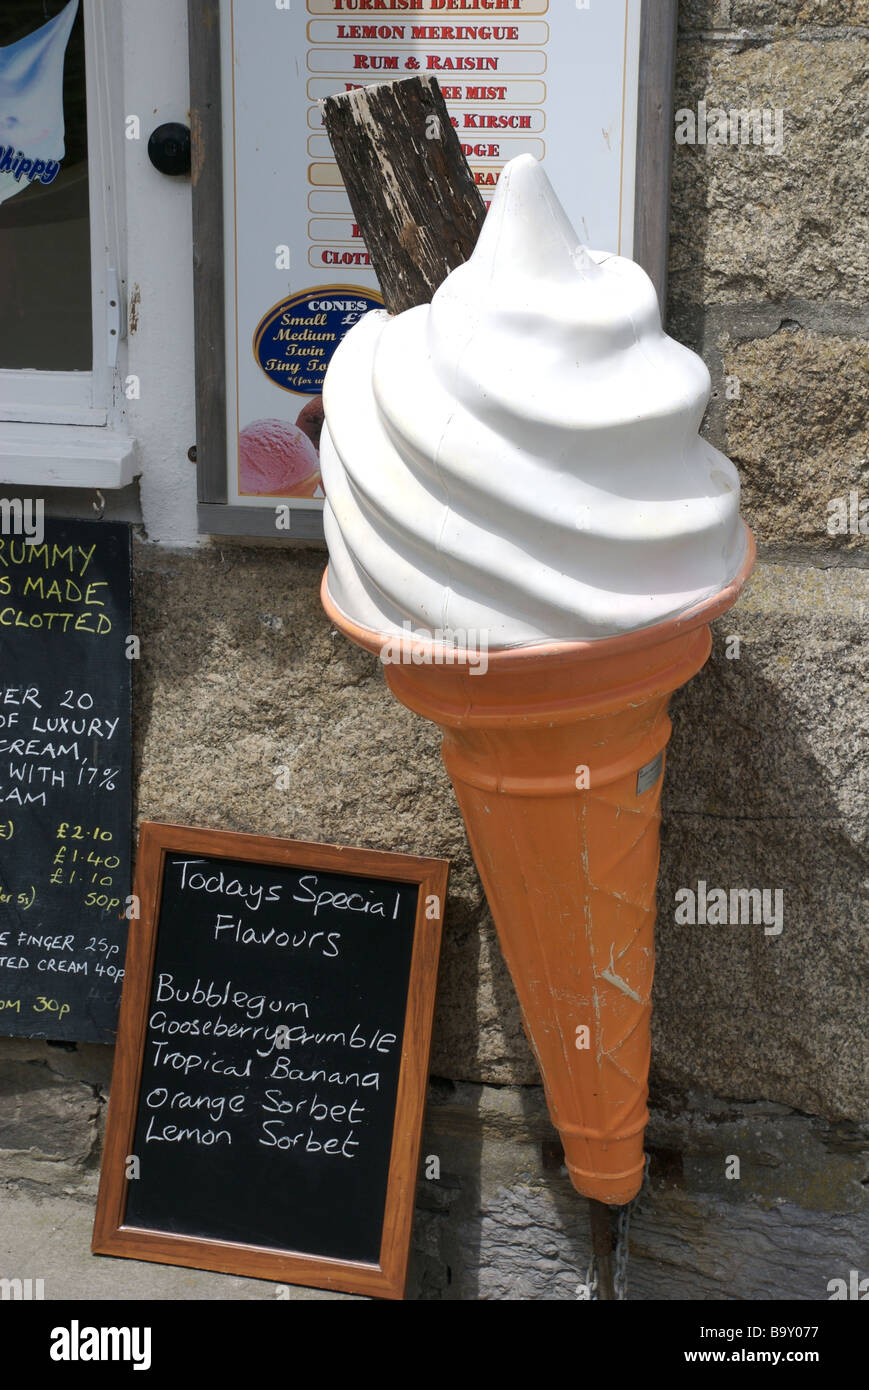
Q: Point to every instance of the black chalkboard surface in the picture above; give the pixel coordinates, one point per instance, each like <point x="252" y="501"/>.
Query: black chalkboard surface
<point x="272" y="1059"/>
<point x="64" y="778"/>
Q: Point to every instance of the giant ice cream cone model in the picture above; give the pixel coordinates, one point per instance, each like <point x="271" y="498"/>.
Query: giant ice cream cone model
<point x="554" y="754"/>
<point x="524" y="522"/>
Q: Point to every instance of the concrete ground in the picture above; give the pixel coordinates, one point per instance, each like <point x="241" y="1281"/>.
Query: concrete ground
<point x="49" y="1238"/>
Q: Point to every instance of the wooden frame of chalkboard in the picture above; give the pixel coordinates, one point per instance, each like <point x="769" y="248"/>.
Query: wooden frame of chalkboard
<point x="115" y="1234"/>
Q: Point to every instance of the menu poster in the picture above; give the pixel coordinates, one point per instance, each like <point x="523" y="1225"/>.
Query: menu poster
<point x="552" y="78"/>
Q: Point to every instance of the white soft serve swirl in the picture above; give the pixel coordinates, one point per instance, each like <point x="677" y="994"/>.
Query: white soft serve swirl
<point x="522" y="456"/>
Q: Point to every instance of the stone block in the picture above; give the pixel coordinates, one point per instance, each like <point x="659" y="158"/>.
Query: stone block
<point x="704" y="14"/>
<point x="502" y="1223"/>
<point x="750" y="224"/>
<point x="790" y="14"/>
<point x="44" y="1121"/>
<point x="799" y="435"/>
<point x="765" y="788"/>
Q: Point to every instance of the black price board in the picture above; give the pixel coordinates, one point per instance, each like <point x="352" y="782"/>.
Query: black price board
<point x="65" y="649"/>
<point x="272" y="1059"/>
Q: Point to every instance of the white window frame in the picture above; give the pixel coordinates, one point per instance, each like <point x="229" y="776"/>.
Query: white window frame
<point x="67" y="429"/>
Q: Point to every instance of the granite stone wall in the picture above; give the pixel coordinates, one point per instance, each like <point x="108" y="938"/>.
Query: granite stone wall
<point x="759" y="1036"/>
<point x="767" y="777"/>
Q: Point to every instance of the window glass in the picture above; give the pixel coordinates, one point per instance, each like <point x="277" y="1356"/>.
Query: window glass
<point x="45" y="273"/>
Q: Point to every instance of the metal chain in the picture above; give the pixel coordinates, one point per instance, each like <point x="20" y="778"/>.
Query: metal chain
<point x="623" y="1227"/>
<point x="589" y="1290"/>
<point x="620" y="1274"/>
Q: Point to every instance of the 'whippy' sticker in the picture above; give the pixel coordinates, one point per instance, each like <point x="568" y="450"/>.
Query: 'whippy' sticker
<point x="31" y="105"/>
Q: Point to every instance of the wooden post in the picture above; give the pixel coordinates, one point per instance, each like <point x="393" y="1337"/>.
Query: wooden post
<point x="413" y="195"/>
<point x="602" y="1245"/>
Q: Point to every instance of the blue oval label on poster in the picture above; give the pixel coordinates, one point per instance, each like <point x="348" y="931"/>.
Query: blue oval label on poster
<point x="294" y="342"/>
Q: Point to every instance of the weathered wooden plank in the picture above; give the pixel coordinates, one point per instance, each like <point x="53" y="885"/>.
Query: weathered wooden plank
<point x="655" y="141"/>
<point x="208" y="279"/>
<point x="306" y="524"/>
<point x="413" y="195"/>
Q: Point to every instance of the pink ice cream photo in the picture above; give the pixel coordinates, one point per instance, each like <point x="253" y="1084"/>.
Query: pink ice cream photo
<point x="277" y="459"/>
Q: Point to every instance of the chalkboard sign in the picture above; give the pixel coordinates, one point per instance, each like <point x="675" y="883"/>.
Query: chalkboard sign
<point x="272" y="1061"/>
<point x="65" y="649"/>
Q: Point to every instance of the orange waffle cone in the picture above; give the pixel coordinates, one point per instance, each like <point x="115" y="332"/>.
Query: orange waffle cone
<point x="569" y="858"/>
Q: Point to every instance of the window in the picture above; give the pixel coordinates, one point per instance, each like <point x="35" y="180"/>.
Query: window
<point x="61" y="406"/>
